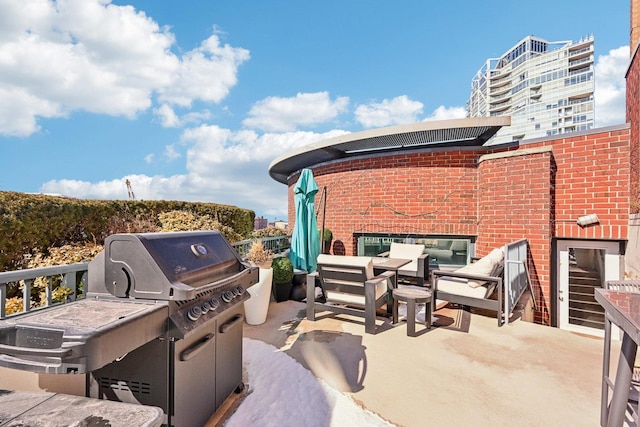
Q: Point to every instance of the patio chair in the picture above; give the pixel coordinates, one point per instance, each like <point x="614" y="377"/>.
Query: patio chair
<point x="634" y="393"/>
<point x="418" y="269"/>
<point x="349" y="287"/>
<point x="473" y="284"/>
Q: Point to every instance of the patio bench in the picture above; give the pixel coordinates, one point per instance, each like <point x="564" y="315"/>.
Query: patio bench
<point x="349" y="287"/>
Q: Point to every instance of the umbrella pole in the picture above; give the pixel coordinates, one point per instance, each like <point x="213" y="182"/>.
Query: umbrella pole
<point x="324" y="210"/>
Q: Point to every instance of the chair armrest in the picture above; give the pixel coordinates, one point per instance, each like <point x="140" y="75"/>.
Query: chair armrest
<point x="423" y="266"/>
<point x="311" y="286"/>
<point x="384" y="254"/>
<point x="387" y="275"/>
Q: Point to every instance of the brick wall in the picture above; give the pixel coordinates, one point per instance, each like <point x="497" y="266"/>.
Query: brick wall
<point x="514" y="199"/>
<point x="536" y="191"/>
<point x="633" y="117"/>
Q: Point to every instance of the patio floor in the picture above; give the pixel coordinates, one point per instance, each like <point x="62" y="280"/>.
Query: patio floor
<point x="464" y="371"/>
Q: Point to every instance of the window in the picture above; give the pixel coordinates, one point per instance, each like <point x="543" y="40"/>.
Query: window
<point x="442" y="250"/>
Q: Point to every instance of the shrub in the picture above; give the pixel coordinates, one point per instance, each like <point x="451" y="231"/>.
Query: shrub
<point x="328" y="235"/>
<point x="268" y="232"/>
<point x="258" y="255"/>
<point x="188" y="221"/>
<point x="282" y="270"/>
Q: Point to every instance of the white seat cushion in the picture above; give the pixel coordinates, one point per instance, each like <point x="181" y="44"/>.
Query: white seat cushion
<point x="353" y="299"/>
<point x="459" y="286"/>
<point x="407" y="251"/>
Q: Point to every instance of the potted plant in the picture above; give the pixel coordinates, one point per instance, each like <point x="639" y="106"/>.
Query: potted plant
<point x="256" y="307"/>
<point x="327" y="238"/>
<point x="282" y="277"/>
<point x="259" y="256"/>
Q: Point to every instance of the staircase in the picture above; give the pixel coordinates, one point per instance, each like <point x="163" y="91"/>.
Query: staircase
<point x="584" y="310"/>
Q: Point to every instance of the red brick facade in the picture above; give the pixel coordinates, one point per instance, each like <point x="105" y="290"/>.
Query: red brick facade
<point x="633" y="118"/>
<point x="536" y="191"/>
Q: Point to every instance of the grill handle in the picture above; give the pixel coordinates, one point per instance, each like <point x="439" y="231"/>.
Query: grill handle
<point x="238" y="318"/>
<point x="192" y="352"/>
<point x="30" y="351"/>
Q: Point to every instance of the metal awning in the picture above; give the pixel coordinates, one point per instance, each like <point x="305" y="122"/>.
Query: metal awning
<point x="390" y="140"/>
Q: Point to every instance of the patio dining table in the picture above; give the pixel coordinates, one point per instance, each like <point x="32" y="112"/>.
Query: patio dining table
<point x="623" y="310"/>
<point x="389" y="264"/>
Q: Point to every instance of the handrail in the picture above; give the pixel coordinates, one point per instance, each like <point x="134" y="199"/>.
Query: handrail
<point x="277" y="244"/>
<point x="75" y="276"/>
<point x="68" y="275"/>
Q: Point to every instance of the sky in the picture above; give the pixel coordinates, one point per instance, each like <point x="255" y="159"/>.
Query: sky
<point x="193" y="100"/>
<point x="283" y="393"/>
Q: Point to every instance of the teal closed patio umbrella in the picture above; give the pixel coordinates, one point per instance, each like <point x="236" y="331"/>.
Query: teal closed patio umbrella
<point x="305" y="242"/>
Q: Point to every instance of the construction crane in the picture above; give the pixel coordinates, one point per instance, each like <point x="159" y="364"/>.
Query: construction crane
<point x="130" y="190"/>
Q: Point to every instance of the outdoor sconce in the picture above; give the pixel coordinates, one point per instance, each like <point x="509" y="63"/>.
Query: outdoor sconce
<point x="583" y="221"/>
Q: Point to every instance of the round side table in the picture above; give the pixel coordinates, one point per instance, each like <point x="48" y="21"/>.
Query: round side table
<point x="412" y="295"/>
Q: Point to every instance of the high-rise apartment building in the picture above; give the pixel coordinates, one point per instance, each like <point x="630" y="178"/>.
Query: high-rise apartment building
<point x="546" y="87"/>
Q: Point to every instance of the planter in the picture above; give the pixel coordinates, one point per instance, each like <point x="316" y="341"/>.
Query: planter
<point x="299" y="277"/>
<point x="281" y="291"/>
<point x="256" y="308"/>
<point x="282" y="277"/>
<point x="299" y="285"/>
<point x="298" y="292"/>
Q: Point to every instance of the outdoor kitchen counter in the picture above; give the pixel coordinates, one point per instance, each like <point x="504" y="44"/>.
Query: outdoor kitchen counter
<point x="43" y="409"/>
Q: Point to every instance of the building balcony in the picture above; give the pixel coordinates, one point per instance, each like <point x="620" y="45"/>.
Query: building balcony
<point x="500" y="82"/>
<point x="500" y="90"/>
<point x="579" y="63"/>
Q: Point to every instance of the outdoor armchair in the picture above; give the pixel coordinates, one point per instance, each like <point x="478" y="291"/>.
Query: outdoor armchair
<point x="349" y="287"/>
<point x="418" y="268"/>
<point x="472" y="285"/>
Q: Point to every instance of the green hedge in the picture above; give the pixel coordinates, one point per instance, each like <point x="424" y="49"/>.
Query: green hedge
<point x="34" y="221"/>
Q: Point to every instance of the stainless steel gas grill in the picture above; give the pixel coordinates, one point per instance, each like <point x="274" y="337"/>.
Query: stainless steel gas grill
<point x="161" y="325"/>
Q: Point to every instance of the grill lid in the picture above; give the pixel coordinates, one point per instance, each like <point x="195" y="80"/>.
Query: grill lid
<point x="164" y="266"/>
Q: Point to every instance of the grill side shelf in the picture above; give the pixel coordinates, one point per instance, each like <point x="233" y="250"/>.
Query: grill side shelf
<point x="79" y="337"/>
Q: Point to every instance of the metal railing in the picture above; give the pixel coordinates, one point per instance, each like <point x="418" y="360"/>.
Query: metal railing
<point x="71" y="276"/>
<point x="277" y="244"/>
<point x="74" y="278"/>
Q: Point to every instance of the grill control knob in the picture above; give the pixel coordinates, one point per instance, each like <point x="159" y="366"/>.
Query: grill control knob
<point x="214" y="303"/>
<point x="194" y="313"/>
<point x="205" y="307"/>
<point x="227" y="296"/>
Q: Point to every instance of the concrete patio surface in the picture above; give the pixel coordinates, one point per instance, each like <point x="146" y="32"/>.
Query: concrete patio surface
<point x="464" y="371"/>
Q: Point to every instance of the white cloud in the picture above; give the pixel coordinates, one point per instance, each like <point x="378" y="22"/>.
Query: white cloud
<point x="446" y="113"/>
<point x="206" y="73"/>
<point x="275" y="114"/>
<point x="169" y="119"/>
<point x="610" y="92"/>
<point x="397" y="111"/>
<point x="149" y="158"/>
<point x="222" y="165"/>
<point x="171" y="153"/>
<point x="91" y="55"/>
